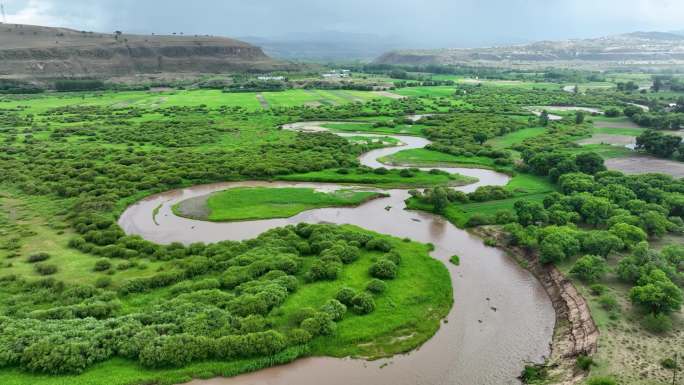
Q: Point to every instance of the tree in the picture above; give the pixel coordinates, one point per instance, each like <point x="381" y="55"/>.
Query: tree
<point x="663" y="146"/>
<point x="529" y="212"/>
<point x="590" y="163"/>
<point x="480" y="137"/>
<point x="657" y="84"/>
<point x="544" y="118"/>
<point x="579" y="117"/>
<point x="440" y="199"/>
<point x="590" y="268"/>
<point x="558" y="243"/>
<point x="600" y="243"/>
<point x="576" y="182"/>
<point x="629" y="234"/>
<point x="596" y="211"/>
<point x="657" y="293"/>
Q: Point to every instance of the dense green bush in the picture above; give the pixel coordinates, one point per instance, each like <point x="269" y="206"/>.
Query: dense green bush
<point x="383" y="269"/>
<point x="363" y="303"/>
<point x="37" y="257"/>
<point x="335" y="309"/>
<point x="590" y="268"/>
<point x="102" y="265"/>
<point x="45" y="268"/>
<point x="376" y="286"/>
<point x="345" y="295"/>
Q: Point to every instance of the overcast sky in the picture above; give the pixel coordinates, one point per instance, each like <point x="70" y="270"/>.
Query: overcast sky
<point x="427" y="23"/>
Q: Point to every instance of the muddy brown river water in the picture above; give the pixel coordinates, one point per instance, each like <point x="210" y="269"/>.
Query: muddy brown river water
<point x="501" y="318"/>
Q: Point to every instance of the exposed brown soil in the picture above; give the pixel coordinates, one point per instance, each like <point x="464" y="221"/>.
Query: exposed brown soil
<point x="646" y="164"/>
<point x="610" y="124"/>
<point x="575" y="332"/>
<point x="614" y="140"/>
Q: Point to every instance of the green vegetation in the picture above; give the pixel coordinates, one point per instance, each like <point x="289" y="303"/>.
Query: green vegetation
<point x="463" y="211"/>
<point x="263" y="292"/>
<point x="387" y="178"/>
<point x="429" y="158"/>
<point x="82" y="299"/>
<point x="244" y="203"/>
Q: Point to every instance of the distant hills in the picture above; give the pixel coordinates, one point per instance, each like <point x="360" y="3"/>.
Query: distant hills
<point x="631" y="49"/>
<point x="46" y="52"/>
<point x="326" y="46"/>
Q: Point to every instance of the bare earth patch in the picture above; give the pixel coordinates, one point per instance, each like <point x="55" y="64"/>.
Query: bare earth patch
<point x="620" y="124"/>
<point x="262" y="100"/>
<point x="388" y="94"/>
<point x="615" y="140"/>
<point x="646" y="164"/>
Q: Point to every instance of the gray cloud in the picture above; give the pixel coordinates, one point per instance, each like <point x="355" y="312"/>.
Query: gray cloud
<point x="427" y="23"/>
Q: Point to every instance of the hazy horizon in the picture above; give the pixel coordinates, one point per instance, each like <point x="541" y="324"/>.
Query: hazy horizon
<point x="413" y="24"/>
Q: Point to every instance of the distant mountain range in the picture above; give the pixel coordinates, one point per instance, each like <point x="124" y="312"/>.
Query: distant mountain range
<point x="46" y="52"/>
<point x="630" y="49"/>
<point x="326" y="46"/>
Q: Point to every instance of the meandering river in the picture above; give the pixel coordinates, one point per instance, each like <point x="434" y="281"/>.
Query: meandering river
<point x="501" y="318"/>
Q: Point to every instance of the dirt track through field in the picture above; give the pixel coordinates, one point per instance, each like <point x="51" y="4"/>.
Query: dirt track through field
<point x="262" y="100"/>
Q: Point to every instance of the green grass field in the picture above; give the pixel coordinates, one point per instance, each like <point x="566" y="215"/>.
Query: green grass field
<point x="390" y="180"/>
<point x="246" y="203"/>
<point x="403" y="129"/>
<point x="517" y="137"/>
<point x="429" y="158"/>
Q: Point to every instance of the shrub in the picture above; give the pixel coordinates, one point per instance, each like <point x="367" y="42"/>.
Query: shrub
<point x="324" y="270"/>
<point x="657" y="323"/>
<point x="585" y="362"/>
<point x="363" y="303"/>
<point x="608" y="302"/>
<point x="335" y="309"/>
<point x="298" y="337"/>
<point x="378" y="244"/>
<point x="598" y="289"/>
<point x="394" y="257"/>
<point x="37" y="257"/>
<point x="345" y="295"/>
<point x="45" y="268"/>
<point x="102" y="265"/>
<point x="321" y="324"/>
<point x="601" y="381"/>
<point x="383" y="269"/>
<point x="669" y="363"/>
<point x="301" y="314"/>
<point x="376" y="286"/>
<point x="103" y="282"/>
<point x="533" y="373"/>
<point x="590" y="268"/>
<point x="478" y="220"/>
<point x="455" y="260"/>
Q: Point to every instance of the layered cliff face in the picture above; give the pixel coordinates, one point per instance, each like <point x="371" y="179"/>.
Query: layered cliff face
<point x="638" y="48"/>
<point x="44" y="52"/>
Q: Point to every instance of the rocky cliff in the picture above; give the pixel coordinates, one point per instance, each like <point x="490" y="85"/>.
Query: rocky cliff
<point x="45" y="52"/>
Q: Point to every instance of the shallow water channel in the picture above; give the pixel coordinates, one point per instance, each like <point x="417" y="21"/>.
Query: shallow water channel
<point x="501" y="318"/>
